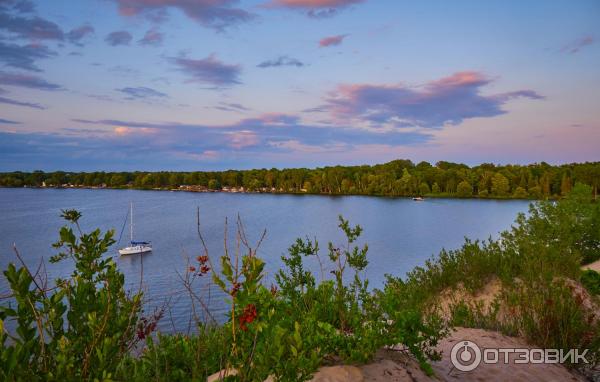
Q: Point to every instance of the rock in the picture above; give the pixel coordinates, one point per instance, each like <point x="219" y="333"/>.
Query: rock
<point x="221" y="374"/>
<point x="338" y="374"/>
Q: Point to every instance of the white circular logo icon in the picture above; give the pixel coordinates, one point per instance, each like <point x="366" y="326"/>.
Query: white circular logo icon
<point x="465" y="355"/>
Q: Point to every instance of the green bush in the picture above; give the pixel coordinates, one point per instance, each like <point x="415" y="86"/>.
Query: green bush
<point x="79" y="330"/>
<point x="362" y="322"/>
<point x="538" y="263"/>
<point x="551" y="314"/>
<point x="591" y="281"/>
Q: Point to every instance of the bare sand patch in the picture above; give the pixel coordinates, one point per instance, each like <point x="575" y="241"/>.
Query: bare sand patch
<point x="595" y="266"/>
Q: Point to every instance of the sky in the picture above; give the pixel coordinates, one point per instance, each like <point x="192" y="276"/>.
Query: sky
<point x="183" y="85"/>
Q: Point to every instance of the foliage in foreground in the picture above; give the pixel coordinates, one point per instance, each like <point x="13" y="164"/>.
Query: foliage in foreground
<point x="89" y="328"/>
<point x="80" y="329"/>
<point x="538" y="264"/>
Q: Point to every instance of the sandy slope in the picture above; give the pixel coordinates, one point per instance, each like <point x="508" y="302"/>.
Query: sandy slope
<point x="595" y="266"/>
<point x="395" y="366"/>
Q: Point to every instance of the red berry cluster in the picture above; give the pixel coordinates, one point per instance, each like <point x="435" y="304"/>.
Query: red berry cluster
<point x="148" y="325"/>
<point x="203" y="267"/>
<point x="248" y="316"/>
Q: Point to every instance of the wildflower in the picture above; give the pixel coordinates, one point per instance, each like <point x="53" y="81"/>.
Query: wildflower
<point x="248" y="316"/>
<point x="192" y="269"/>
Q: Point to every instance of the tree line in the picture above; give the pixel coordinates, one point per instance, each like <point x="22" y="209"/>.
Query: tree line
<point x="395" y="178"/>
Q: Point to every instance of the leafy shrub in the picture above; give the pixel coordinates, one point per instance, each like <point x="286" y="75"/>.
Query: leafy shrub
<point x="79" y="330"/>
<point x="538" y="262"/>
<point x="591" y="281"/>
<point x="551" y="314"/>
<point x="177" y="357"/>
<point x="363" y="322"/>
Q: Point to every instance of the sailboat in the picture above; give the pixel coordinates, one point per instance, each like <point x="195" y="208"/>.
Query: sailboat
<point x="134" y="247"/>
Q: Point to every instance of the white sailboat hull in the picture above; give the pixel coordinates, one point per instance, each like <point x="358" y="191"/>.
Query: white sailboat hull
<point x="135" y="250"/>
<point x="135" y="247"/>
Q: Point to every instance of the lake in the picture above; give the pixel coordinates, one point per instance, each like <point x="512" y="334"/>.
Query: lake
<point x="400" y="232"/>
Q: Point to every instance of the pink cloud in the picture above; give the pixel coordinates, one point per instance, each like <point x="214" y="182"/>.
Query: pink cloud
<point x="277" y="119"/>
<point x="216" y="14"/>
<point x="448" y="100"/>
<point x="332" y="40"/>
<point x="124" y="130"/>
<point x="243" y="138"/>
<point x="152" y="37"/>
<point x="314" y="8"/>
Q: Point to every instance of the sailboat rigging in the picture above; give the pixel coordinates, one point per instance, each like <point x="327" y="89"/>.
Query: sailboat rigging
<point x="134" y="247"/>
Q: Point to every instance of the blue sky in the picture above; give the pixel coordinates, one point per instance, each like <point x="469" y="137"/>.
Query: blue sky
<point x="215" y="84"/>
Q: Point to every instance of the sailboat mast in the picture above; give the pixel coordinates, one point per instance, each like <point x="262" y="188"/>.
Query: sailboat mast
<point x="131" y="222"/>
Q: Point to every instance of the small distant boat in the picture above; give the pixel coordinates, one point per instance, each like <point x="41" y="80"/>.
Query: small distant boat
<point x="418" y="199"/>
<point x="134" y="247"/>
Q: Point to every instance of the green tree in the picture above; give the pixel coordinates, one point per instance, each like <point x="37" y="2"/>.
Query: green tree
<point x="214" y="184"/>
<point x="520" y="193"/>
<point x="464" y="189"/>
<point x="535" y="192"/>
<point x="500" y="185"/>
<point x="565" y="185"/>
<point x="118" y="180"/>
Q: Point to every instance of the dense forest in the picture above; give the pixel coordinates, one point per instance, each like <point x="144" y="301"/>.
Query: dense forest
<point x="396" y="178"/>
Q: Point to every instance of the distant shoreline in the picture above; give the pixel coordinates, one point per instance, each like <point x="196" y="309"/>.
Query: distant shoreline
<point x="398" y="178"/>
<point x="238" y="191"/>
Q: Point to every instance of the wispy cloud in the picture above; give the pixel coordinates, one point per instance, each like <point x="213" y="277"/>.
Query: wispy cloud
<point x="227" y="106"/>
<point x="125" y="71"/>
<point x="118" y="38"/>
<point x="332" y="40"/>
<point x="216" y="14"/>
<point x="24" y="56"/>
<point x="263" y="133"/>
<point x="8" y="122"/>
<point x="152" y="37"/>
<point x="209" y="70"/>
<point x="27" y="81"/>
<point x="578" y="44"/>
<point x="76" y="35"/>
<point x="449" y="100"/>
<point x="170" y="144"/>
<point x="23" y="6"/>
<point x="314" y="8"/>
<point x="33" y="28"/>
<point x="141" y="93"/>
<point x="13" y="102"/>
<point x="281" y="61"/>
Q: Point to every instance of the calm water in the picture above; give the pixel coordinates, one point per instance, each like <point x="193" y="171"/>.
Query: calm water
<point x="401" y="233"/>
